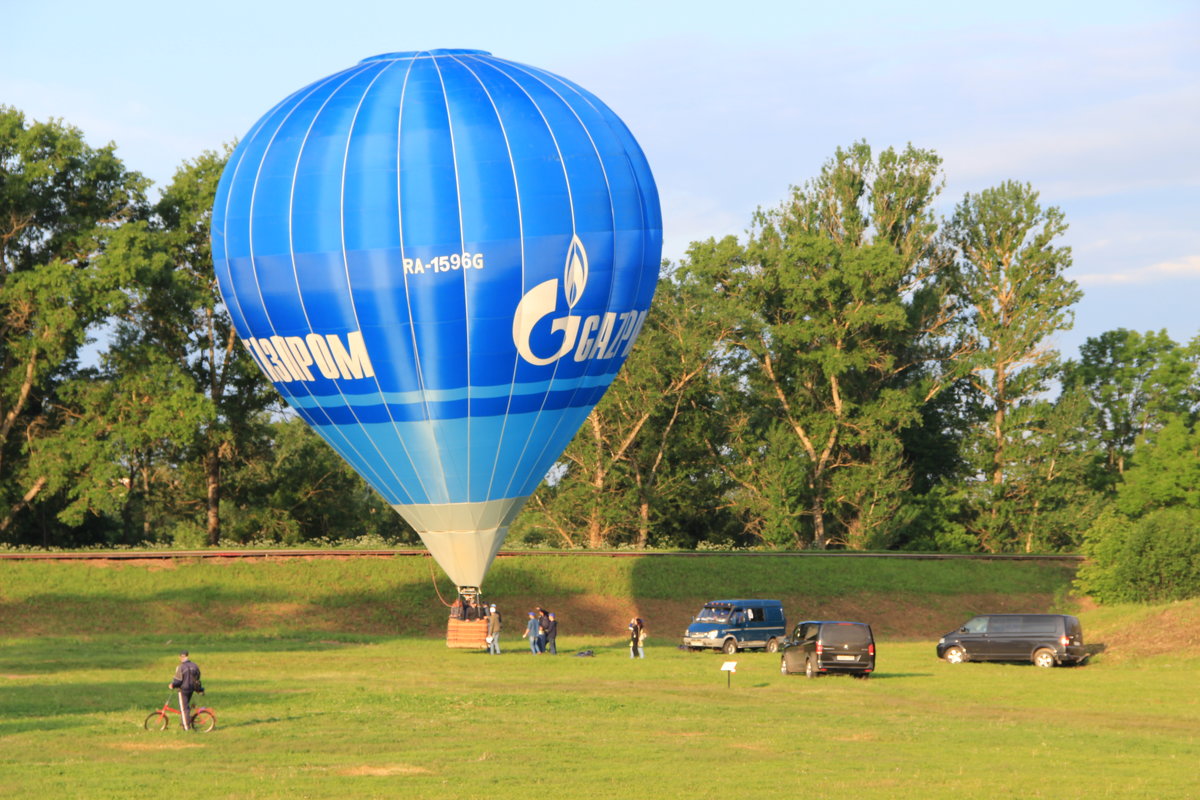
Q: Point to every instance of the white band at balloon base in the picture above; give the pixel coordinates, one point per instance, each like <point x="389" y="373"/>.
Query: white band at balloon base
<point x="463" y="537"/>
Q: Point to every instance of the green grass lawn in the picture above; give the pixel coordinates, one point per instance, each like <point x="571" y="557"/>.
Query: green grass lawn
<point x="334" y="716"/>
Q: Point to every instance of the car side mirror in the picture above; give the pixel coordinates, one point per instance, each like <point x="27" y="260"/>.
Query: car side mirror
<point x="963" y="630"/>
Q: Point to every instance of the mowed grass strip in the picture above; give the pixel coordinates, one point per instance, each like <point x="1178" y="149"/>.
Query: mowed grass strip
<point x="359" y="716"/>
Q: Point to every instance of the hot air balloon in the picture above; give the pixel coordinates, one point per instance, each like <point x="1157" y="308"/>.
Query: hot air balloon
<point x="440" y="259"/>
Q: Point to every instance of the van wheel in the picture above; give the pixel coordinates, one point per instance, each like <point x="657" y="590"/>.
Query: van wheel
<point x="955" y="655"/>
<point x="1044" y="658"/>
<point x="810" y="669"/>
<point x="730" y="647"/>
<point x="772" y="645"/>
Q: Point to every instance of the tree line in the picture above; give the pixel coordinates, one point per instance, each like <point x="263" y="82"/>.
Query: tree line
<point x="855" y="372"/>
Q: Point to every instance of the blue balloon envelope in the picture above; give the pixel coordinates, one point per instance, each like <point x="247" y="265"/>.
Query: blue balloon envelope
<point x="440" y="259"/>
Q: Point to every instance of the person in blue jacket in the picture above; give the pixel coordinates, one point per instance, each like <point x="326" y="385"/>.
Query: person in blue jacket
<point x="533" y="632"/>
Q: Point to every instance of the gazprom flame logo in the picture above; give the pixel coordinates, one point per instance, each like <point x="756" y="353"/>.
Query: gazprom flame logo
<point x="595" y="336"/>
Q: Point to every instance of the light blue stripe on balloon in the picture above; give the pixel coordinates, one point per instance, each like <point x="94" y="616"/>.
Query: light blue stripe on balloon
<point x="447" y="395"/>
<point x="500" y="462"/>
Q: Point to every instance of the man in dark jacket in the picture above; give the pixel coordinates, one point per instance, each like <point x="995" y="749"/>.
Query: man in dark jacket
<point x="187" y="681"/>
<point x="551" y="633"/>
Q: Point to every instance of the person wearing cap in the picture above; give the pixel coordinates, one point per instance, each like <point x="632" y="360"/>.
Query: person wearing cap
<point x="493" y="630"/>
<point x="531" y="632"/>
<point x="187" y="681"/>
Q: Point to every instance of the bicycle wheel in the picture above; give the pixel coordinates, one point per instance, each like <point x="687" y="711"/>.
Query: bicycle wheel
<point x="204" y="721"/>
<point x="157" y="721"/>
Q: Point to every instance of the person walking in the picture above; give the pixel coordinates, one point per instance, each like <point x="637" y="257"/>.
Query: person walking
<point x="493" y="630"/>
<point x="551" y="633"/>
<point x="186" y="681"/>
<point x="531" y="632"/>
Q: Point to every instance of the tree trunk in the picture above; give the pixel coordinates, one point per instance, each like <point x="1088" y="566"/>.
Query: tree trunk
<point x="820" y="537"/>
<point x="146" y="525"/>
<point x="212" y="470"/>
<point x="18" y="506"/>
<point x="595" y="530"/>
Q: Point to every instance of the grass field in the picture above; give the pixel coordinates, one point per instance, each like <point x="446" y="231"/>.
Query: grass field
<point x="325" y="713"/>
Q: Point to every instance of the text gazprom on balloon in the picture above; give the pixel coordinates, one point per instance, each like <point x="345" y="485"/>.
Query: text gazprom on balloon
<point x="598" y="336"/>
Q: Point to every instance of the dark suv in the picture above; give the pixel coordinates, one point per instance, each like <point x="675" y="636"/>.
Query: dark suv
<point x="817" y="647"/>
<point x="1044" y="639"/>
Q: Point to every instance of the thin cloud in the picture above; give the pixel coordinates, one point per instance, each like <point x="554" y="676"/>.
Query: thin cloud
<point x="1186" y="268"/>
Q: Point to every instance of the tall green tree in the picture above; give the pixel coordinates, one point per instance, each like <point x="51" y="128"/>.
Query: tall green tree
<point x="1011" y="280"/>
<point x="634" y="459"/>
<point x="61" y="202"/>
<point x="836" y="307"/>
<point x="1131" y="380"/>
<point x="120" y="450"/>
<point x="296" y="488"/>
<point x="1165" y="472"/>
<point x="177" y="325"/>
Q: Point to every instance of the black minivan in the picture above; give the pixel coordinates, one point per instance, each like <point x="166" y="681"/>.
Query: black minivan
<point x="819" y="647"/>
<point x="1044" y="639"/>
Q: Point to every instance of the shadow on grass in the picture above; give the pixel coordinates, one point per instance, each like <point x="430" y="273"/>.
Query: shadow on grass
<point x="11" y="727"/>
<point x="306" y="598"/>
<point x="887" y="676"/>
<point x="31" y="658"/>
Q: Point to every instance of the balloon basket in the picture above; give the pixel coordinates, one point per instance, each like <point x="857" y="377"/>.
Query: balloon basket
<point x="466" y="634"/>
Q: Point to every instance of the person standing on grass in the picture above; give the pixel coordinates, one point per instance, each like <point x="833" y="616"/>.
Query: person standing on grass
<point x="493" y="630"/>
<point x="543" y="628"/>
<point x="551" y="633"/>
<point x="532" y="629"/>
<point x="637" y="638"/>
<point x="186" y="681"/>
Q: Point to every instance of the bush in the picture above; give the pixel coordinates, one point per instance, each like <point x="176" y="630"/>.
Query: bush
<point x="1152" y="559"/>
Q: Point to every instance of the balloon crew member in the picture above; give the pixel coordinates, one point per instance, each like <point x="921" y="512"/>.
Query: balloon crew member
<point x="531" y="632"/>
<point x="493" y="630"/>
<point x="187" y="681"/>
<point x="543" y="628"/>
<point x="551" y="628"/>
<point x="637" y="638"/>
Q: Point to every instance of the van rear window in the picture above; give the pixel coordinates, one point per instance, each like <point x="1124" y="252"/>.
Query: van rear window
<point x="849" y="633"/>
<point x="1039" y="624"/>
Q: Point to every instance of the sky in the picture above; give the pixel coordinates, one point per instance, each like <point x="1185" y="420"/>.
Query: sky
<point x="1095" y="104"/>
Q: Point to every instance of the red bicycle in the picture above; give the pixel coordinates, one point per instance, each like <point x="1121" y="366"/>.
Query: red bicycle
<point x="203" y="719"/>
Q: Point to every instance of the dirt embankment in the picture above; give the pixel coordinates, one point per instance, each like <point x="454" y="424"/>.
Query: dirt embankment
<point x="892" y="616"/>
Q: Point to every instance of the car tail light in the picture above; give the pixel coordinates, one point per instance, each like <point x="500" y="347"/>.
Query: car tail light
<point x="1064" y="640"/>
<point x="871" y="649"/>
<point x="820" y="647"/>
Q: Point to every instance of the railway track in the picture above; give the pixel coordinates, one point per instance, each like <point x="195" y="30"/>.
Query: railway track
<point x="166" y="555"/>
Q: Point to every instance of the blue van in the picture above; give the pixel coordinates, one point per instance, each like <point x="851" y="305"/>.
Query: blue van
<point x="732" y="625"/>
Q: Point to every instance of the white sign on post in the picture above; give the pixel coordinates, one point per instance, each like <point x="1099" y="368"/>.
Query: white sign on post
<point x="729" y="667"/>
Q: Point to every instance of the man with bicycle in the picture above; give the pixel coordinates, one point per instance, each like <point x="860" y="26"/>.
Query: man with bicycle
<point x="187" y="681"/>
